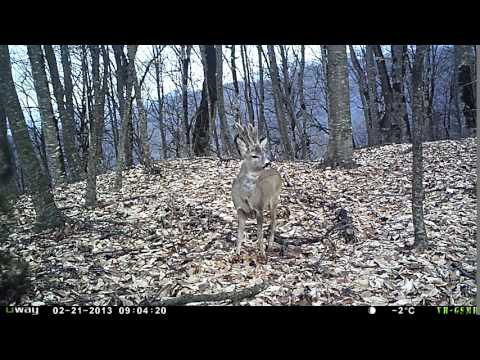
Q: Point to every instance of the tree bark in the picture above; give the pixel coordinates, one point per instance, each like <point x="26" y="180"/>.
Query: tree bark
<point x="145" y="158"/>
<point x="122" y="75"/>
<point x="159" y="82"/>
<point x="236" y="97"/>
<point x="246" y="85"/>
<point x="418" y="193"/>
<point x="279" y="106"/>
<point x="374" y="139"/>
<point x="400" y="129"/>
<point x="287" y="96"/>
<point x="363" y="90"/>
<point x="47" y="213"/>
<point x="224" y="129"/>
<point x="340" y="147"/>
<point x="53" y="148"/>
<point x="387" y="127"/>
<point x="209" y="61"/>
<point x="200" y="131"/>
<point x="124" y="133"/>
<point x="465" y="85"/>
<point x="68" y="125"/>
<point x="262" y="123"/>
<point x="8" y="189"/>
<point x="304" y="115"/>
<point x="185" y="61"/>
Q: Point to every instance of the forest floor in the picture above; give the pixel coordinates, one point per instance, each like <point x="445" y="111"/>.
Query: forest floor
<point x="173" y="234"/>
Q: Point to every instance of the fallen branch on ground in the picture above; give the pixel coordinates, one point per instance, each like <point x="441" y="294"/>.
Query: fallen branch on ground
<point x="190" y="298"/>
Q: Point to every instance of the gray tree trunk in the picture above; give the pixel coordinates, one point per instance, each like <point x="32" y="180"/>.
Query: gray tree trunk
<point x="399" y="105"/>
<point x="131" y="52"/>
<point x="8" y="189"/>
<point x="145" y="157"/>
<point x="464" y="61"/>
<point x="161" y="125"/>
<point x="262" y="124"/>
<point x="418" y="193"/>
<point x="363" y="90"/>
<point x="340" y="147"/>
<point x="91" y="188"/>
<point x="304" y="115"/>
<point x="47" y="213"/>
<point x="278" y="99"/>
<point x="68" y="125"/>
<point x="287" y="96"/>
<point x="209" y="61"/>
<point x="387" y="127"/>
<point x="246" y="85"/>
<point x="122" y="74"/>
<point x="96" y="123"/>
<point x="185" y="61"/>
<point x="236" y="97"/>
<point x="67" y="79"/>
<point x="53" y="149"/>
<point x="226" y="137"/>
<point x="374" y="139"/>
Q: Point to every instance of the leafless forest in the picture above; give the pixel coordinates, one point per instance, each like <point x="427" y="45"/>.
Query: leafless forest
<point x="130" y="173"/>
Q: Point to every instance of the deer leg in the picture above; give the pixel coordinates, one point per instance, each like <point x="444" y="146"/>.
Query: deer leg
<point x="261" y="248"/>
<point x="241" y="229"/>
<point x="273" y="224"/>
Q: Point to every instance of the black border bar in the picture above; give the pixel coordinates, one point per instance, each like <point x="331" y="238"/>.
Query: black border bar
<point x="197" y="312"/>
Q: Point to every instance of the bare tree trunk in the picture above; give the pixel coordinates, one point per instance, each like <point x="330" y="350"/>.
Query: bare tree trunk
<point x="236" y="98"/>
<point x="372" y="97"/>
<point x="209" y="62"/>
<point x="8" y="189"/>
<point x="87" y="105"/>
<point x="122" y="74"/>
<point x="159" y="82"/>
<point x="145" y="158"/>
<point x="226" y="137"/>
<point x="67" y="79"/>
<point x="246" y="85"/>
<point x="340" y="147"/>
<point x="399" y="106"/>
<point x="386" y="126"/>
<point x="200" y="131"/>
<point x="204" y="119"/>
<point x="418" y="193"/>
<point x="68" y="125"/>
<point x="363" y="90"/>
<point x="185" y="59"/>
<point x="131" y="52"/>
<point x="465" y="85"/>
<point x="47" y="213"/>
<point x="287" y="96"/>
<point x="305" y="116"/>
<point x="91" y="189"/>
<point x="53" y="149"/>
<point x="277" y="95"/>
<point x="262" y="123"/>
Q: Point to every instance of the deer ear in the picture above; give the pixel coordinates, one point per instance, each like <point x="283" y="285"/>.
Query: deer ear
<point x="241" y="146"/>
<point x="263" y="143"/>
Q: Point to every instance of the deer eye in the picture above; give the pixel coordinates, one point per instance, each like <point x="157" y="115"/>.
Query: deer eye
<point x="254" y="157"/>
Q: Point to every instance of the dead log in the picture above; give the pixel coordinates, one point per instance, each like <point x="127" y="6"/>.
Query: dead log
<point x="234" y="296"/>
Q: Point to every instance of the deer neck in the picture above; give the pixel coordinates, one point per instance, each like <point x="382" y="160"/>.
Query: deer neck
<point x="248" y="178"/>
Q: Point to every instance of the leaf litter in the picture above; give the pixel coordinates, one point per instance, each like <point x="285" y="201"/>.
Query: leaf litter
<point x="172" y="234"/>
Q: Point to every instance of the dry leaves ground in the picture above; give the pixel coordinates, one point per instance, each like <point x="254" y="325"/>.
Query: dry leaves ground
<point x="173" y="234"/>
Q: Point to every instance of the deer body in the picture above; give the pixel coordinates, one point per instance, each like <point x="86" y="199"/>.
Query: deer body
<point x="256" y="188"/>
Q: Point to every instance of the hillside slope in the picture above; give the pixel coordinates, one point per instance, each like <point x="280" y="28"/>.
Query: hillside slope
<point x="173" y="234"/>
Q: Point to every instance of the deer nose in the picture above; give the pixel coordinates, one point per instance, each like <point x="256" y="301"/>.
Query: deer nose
<point x="267" y="162"/>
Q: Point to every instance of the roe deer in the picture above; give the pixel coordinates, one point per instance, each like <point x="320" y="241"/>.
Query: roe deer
<point x="255" y="188"/>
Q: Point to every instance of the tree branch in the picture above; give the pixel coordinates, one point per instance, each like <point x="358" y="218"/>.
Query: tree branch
<point x="190" y="298"/>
